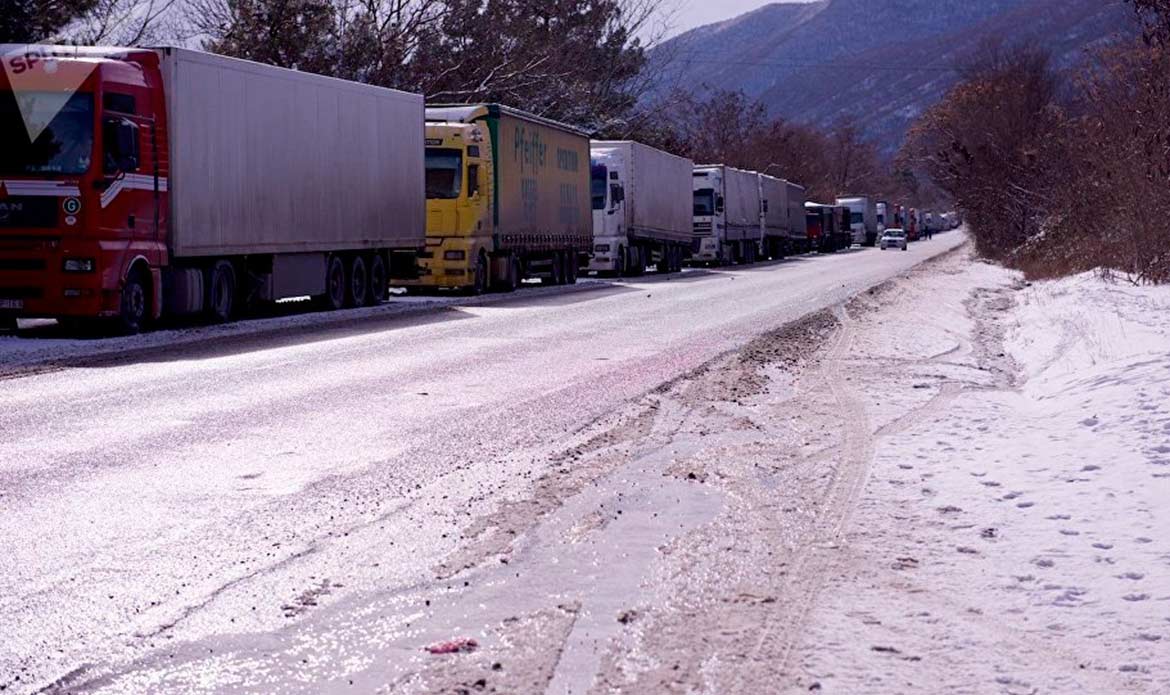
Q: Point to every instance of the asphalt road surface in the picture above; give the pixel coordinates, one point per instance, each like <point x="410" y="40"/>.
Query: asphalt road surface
<point x="283" y="511"/>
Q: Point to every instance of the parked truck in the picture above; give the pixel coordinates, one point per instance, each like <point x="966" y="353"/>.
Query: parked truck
<point x="726" y="215"/>
<point x="782" y="217"/>
<point x="863" y="218"/>
<point x="825" y="228"/>
<point x="885" y="216"/>
<point x="641" y="208"/>
<point x="138" y="183"/>
<point x="506" y="197"/>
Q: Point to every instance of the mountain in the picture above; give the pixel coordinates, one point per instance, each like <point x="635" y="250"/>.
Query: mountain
<point x="877" y="63"/>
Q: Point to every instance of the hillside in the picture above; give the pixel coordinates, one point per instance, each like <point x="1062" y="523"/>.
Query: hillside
<point x="880" y="63"/>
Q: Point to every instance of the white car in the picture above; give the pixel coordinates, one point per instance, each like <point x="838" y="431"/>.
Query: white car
<point x="894" y="238"/>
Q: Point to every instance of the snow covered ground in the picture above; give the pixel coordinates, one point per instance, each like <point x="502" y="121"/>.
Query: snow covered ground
<point x="1014" y="532"/>
<point x="41" y="344"/>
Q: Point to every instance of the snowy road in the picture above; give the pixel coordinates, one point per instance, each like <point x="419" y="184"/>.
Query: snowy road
<point x="283" y="506"/>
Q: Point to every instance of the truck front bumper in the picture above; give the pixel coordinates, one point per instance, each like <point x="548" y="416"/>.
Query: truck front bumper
<point x="708" y="252"/>
<point x="606" y="254"/>
<point x="35" y="284"/>
<point x="446" y="263"/>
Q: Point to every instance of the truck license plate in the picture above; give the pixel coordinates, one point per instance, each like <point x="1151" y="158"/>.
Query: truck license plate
<point x="11" y="303"/>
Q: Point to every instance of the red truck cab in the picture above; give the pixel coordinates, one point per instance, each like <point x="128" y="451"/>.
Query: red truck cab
<point x="83" y="183"/>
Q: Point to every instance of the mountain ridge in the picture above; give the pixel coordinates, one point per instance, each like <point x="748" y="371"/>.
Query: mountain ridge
<point x="877" y="63"/>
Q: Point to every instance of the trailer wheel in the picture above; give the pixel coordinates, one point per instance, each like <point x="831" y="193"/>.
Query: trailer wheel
<point x="572" y="267"/>
<point x="221" y="292"/>
<point x="334" y="297"/>
<point x="663" y="264"/>
<point x="359" y="282"/>
<point x="515" y="274"/>
<point x="8" y="324"/>
<point x="379" y="282"/>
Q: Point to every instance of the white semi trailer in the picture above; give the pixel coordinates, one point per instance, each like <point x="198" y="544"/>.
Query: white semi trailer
<point x="862" y="218"/>
<point x="727" y="209"/>
<point x="641" y="208"/>
<point x="782" y="214"/>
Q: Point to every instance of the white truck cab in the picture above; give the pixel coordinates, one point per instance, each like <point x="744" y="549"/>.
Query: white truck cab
<point x="608" y="193"/>
<point x="709" y="213"/>
<point x="641" y="208"/>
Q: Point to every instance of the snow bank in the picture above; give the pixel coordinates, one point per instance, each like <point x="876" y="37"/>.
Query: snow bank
<point x="1014" y="535"/>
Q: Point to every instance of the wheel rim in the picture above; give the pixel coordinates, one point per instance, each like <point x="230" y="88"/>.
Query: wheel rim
<point x="336" y="283"/>
<point x="222" y="295"/>
<point x="377" y="280"/>
<point x="135" y="303"/>
<point x="357" y="283"/>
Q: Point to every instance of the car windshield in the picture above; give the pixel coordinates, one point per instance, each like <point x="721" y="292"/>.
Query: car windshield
<point x="597" y="185"/>
<point x="704" y="202"/>
<point x="895" y="233"/>
<point x="46" y="133"/>
<point x="444" y="173"/>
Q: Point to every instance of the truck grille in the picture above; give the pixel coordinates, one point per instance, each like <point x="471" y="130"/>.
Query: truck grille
<point x="22" y="264"/>
<point x="20" y="293"/>
<point x="28" y="212"/>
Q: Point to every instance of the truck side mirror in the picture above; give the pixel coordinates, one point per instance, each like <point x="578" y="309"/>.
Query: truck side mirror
<point x="719" y="204"/>
<point x="120" y="138"/>
<point x="472" y="180"/>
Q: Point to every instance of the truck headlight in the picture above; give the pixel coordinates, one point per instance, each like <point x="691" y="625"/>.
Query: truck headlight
<point x="454" y="255"/>
<point x="78" y="265"/>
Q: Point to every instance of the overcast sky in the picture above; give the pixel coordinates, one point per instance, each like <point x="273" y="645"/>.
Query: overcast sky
<point x="689" y="14"/>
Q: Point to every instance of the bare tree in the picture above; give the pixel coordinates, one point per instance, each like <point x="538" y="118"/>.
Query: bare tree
<point x="38" y="21"/>
<point x="125" y="22"/>
<point x="992" y="145"/>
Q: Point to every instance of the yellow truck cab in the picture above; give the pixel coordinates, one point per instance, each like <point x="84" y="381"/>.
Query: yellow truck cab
<point x="507" y="199"/>
<point x="459" y="196"/>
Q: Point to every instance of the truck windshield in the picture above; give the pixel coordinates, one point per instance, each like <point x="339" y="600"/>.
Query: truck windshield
<point x="444" y="173"/>
<point x="63" y="146"/>
<point x="704" y="202"/>
<point x="597" y="185"/>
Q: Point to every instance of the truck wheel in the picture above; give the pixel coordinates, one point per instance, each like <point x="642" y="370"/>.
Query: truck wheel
<point x="8" y="324"/>
<point x="359" y="282"/>
<point x="637" y="262"/>
<point x="334" y="297"/>
<point x="623" y="262"/>
<point x="481" y="275"/>
<point x="379" y="282"/>
<point x="221" y="292"/>
<point x="663" y="264"/>
<point x="135" y="302"/>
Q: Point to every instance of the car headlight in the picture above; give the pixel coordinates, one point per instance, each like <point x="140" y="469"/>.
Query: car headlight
<point x="78" y="265"/>
<point x="454" y="255"/>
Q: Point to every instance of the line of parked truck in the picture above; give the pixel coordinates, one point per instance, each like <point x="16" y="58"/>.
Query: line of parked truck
<point x="141" y="183"/>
